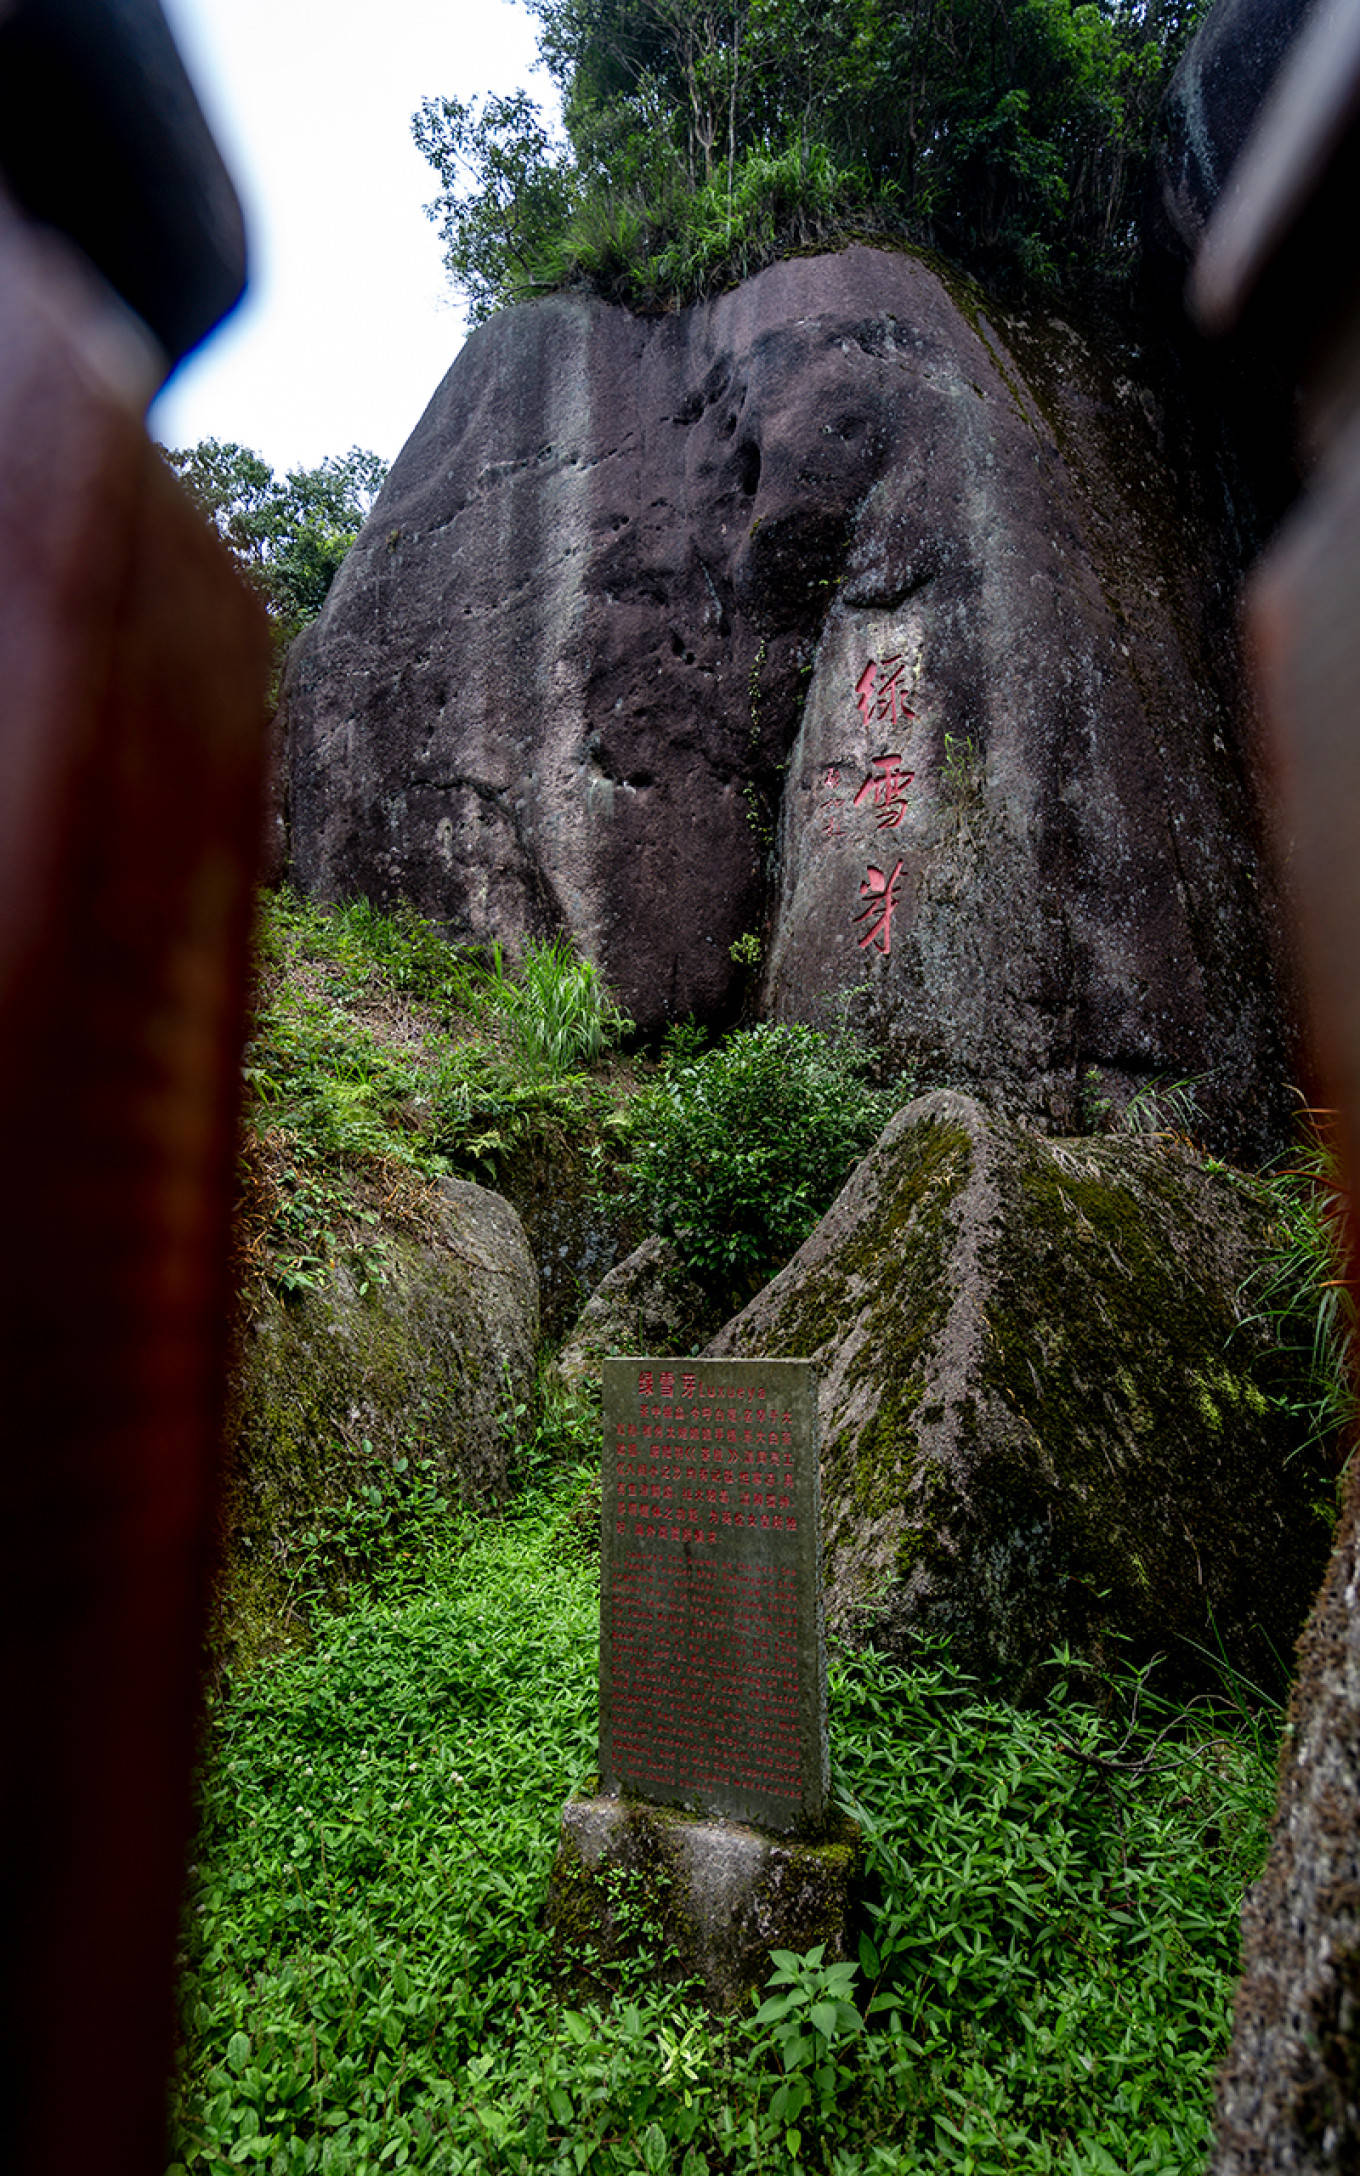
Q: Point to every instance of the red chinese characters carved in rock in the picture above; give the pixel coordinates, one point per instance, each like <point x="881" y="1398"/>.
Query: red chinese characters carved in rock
<point x="879" y="893"/>
<point x="879" y="693"/>
<point x="885" y="789"/>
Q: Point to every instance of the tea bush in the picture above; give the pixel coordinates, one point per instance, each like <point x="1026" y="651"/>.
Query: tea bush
<point x="738" y="1150"/>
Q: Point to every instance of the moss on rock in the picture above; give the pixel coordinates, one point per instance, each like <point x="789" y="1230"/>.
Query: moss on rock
<point x="1046" y="1417"/>
<point x="643" y="1891"/>
<point x="349" y="1397"/>
<point x="564" y="1184"/>
<point x="649" y="1303"/>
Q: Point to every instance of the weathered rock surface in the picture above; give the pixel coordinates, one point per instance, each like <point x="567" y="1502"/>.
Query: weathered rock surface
<point x="339" y="1384"/>
<point x="835" y="563"/>
<point x="723" y="1894"/>
<point x="1210" y="105"/>
<point x="649" y="1303"/>
<point x="1289" y="2093"/>
<point x="577" y="1230"/>
<point x="1016" y="837"/>
<point x="1043" y="1416"/>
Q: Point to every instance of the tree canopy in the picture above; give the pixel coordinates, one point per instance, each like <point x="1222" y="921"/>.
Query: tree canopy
<point x="289" y="534"/>
<point x="706" y="137"/>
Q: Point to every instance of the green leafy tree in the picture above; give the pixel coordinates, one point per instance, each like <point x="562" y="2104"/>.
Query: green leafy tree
<point x="290" y="535"/>
<point x="505" y="192"/>
<point x="706" y="137"/>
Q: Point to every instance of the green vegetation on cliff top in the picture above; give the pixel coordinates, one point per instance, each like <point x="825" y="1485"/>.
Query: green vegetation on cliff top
<point x="702" y="142"/>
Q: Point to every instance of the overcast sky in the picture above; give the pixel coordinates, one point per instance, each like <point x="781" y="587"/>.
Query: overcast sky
<point x="349" y="323"/>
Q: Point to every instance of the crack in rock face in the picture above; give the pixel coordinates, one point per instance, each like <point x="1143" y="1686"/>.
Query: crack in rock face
<point x="829" y="612"/>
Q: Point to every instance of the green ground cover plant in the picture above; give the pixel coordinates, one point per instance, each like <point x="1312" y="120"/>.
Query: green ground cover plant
<point x="1042" y="1984"/>
<point x="382" y="1058"/>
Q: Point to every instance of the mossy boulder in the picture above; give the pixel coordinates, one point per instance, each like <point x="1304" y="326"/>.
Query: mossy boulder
<point x="576" y="1226"/>
<point x="370" y="1386"/>
<point x="1047" y="1413"/>
<point x="649" y="1303"/>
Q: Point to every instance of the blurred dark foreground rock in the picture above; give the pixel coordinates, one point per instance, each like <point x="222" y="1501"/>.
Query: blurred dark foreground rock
<point x="1047" y="1413"/>
<point x="1207" y="115"/>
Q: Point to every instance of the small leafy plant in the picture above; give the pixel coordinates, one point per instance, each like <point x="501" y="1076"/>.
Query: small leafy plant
<point x="1303" y="1288"/>
<point x="812" y="2018"/>
<point x="1164" y="1105"/>
<point x="961" y="772"/>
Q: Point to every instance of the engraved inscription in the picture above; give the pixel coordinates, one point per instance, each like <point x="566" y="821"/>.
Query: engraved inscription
<point x="850" y="798"/>
<point x="711" y="1663"/>
<point x="885" y="789"/>
<point x="682" y="1471"/>
<point x="730" y="1711"/>
<point x="879" y="692"/>
<point x="879" y="893"/>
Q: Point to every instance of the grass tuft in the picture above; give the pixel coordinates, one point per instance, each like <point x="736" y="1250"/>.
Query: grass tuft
<point x="1302" y="1289"/>
<point x="559" y="1013"/>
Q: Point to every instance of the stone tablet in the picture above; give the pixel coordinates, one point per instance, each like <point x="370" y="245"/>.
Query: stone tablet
<point x="712" y="1660"/>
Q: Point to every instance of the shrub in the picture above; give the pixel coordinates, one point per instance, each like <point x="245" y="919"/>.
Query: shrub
<point x="738" y="1151"/>
<point x="696" y="240"/>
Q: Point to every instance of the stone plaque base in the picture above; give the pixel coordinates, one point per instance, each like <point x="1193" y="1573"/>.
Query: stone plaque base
<point x="689" y="1897"/>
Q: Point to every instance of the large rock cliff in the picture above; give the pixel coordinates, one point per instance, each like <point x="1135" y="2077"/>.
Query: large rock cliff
<point x="831" y="612"/>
